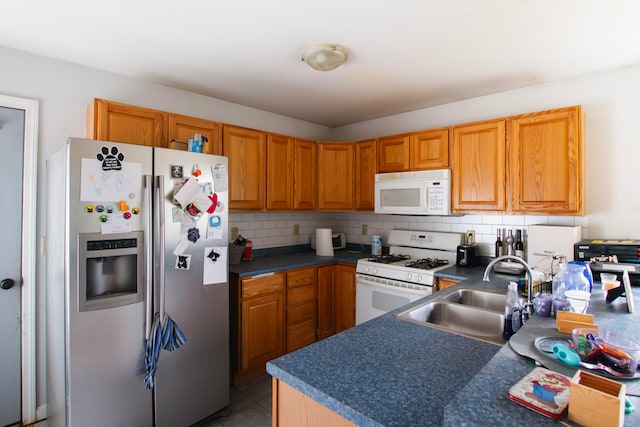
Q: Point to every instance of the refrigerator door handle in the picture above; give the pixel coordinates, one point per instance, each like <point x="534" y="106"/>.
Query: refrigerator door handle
<point x="160" y="212"/>
<point x="148" y="252"/>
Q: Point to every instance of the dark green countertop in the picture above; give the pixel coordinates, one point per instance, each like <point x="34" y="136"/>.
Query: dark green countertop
<point x="391" y="372"/>
<point x="287" y="261"/>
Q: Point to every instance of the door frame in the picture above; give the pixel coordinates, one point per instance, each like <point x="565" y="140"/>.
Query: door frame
<point x="29" y="244"/>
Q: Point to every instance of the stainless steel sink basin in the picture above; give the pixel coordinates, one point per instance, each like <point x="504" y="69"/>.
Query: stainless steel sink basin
<point x="469" y="312"/>
<point x="477" y="298"/>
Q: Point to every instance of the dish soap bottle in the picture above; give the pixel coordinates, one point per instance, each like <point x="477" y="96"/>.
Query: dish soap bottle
<point x="512" y="312"/>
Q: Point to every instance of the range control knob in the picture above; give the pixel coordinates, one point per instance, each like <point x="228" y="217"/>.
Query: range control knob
<point x="409" y="276"/>
<point x="419" y="278"/>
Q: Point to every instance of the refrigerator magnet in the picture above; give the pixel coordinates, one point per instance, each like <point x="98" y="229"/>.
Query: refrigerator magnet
<point x="177" y="214"/>
<point x="214" y="227"/>
<point x="183" y="262"/>
<point x="176" y="172"/>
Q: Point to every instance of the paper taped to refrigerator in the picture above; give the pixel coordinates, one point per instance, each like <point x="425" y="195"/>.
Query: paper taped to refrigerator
<point x="97" y="185"/>
<point x="215" y="265"/>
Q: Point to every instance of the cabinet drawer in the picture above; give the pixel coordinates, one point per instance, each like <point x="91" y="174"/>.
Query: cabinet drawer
<point x="301" y="312"/>
<point x="301" y="334"/>
<point x="254" y="286"/>
<point x="300" y="294"/>
<point x="301" y="277"/>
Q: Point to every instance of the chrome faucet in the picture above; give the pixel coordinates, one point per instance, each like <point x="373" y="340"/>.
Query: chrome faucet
<point x="527" y="309"/>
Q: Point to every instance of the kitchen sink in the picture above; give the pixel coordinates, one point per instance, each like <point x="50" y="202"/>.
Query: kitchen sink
<point x="477" y="298"/>
<point x="468" y="312"/>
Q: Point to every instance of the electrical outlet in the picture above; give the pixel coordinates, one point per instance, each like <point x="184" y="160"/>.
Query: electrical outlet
<point x="234" y="233"/>
<point x="296" y="229"/>
<point x="471" y="237"/>
<point x="365" y="229"/>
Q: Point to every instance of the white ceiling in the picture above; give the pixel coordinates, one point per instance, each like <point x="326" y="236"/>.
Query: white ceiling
<point x="404" y="55"/>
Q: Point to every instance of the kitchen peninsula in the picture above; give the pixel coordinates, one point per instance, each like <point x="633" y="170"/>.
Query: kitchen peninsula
<point x="389" y="372"/>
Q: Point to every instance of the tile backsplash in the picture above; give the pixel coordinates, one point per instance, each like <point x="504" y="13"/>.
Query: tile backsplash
<point x="274" y="229"/>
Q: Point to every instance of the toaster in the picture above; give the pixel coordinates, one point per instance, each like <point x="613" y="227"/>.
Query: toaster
<point x="339" y="240"/>
<point x="466" y="255"/>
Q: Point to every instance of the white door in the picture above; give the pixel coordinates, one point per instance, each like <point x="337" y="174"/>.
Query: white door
<point x="11" y="145"/>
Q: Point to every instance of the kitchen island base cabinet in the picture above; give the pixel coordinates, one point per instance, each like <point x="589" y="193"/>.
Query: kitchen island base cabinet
<point x="291" y="408"/>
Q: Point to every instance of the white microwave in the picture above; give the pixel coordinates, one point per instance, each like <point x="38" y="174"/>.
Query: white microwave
<point x="425" y="192"/>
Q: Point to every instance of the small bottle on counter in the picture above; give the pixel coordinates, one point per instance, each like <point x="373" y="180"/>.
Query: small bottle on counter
<point x="509" y="243"/>
<point x="512" y="312"/>
<point x="499" y="245"/>
<point x="519" y="245"/>
<point x="248" y="251"/>
<point x="376" y="245"/>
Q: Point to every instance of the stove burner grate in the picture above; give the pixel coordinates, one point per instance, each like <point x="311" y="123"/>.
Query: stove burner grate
<point x="388" y="259"/>
<point x="427" y="263"/>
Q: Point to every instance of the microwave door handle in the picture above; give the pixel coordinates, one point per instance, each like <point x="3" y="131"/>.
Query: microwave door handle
<point x="148" y="251"/>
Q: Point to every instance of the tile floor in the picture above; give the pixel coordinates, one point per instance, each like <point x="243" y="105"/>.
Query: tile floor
<point x="250" y="406"/>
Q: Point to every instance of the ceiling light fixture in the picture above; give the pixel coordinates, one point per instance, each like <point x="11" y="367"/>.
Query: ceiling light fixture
<point x="325" y="57"/>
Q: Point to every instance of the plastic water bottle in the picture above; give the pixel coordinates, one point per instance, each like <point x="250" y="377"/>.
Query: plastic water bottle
<point x="512" y="312"/>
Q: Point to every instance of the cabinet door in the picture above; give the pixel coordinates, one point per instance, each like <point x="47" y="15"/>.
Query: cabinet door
<point x="547" y="162"/>
<point x="335" y="176"/>
<point x="478" y="167"/>
<point x="304" y="174"/>
<point x="279" y="172"/>
<point x="113" y="121"/>
<point x="393" y="153"/>
<point x="182" y="128"/>
<point x="262" y="330"/>
<point x="366" y="168"/>
<point x="345" y="278"/>
<point x="430" y="149"/>
<point x="247" y="163"/>
<point x="326" y="302"/>
<point x="444" y="283"/>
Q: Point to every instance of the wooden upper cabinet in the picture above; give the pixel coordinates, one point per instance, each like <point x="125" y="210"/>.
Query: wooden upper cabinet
<point x="478" y="167"/>
<point x="335" y="176"/>
<point x="430" y="149"/>
<point x="305" y="154"/>
<point x="246" y="149"/>
<point x="365" y="173"/>
<point x="182" y="128"/>
<point x="279" y="172"/>
<point x="113" y="121"/>
<point x="393" y="153"/>
<point x="547" y="162"/>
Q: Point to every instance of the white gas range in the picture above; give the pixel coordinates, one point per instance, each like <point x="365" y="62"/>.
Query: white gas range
<point x="406" y="274"/>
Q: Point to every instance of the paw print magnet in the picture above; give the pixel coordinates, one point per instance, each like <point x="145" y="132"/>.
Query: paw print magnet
<point x="111" y="158"/>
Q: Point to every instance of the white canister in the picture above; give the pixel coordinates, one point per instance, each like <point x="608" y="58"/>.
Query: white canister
<point x="376" y="245"/>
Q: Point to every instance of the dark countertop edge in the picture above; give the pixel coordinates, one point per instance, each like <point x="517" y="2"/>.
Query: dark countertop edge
<point x="282" y="262"/>
<point x="321" y="397"/>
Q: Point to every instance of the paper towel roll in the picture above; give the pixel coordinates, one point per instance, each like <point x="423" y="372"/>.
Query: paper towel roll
<point x="324" y="243"/>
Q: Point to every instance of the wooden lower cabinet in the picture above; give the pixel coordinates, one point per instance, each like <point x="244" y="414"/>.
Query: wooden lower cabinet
<point x="345" y="292"/>
<point x="293" y="408"/>
<point x="301" y="308"/>
<point x="257" y="324"/>
<point x="281" y="312"/>
<point x="445" y="283"/>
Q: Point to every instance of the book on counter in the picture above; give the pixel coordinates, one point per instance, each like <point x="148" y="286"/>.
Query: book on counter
<point x="544" y="391"/>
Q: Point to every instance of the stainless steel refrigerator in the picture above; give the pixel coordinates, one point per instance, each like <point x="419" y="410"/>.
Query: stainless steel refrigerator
<point x="134" y="233"/>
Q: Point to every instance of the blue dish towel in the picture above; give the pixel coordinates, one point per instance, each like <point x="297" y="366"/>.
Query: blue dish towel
<point x="167" y="336"/>
<point x="172" y="336"/>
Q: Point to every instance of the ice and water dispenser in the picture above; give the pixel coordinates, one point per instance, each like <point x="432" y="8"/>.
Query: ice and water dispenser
<point x="110" y="270"/>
